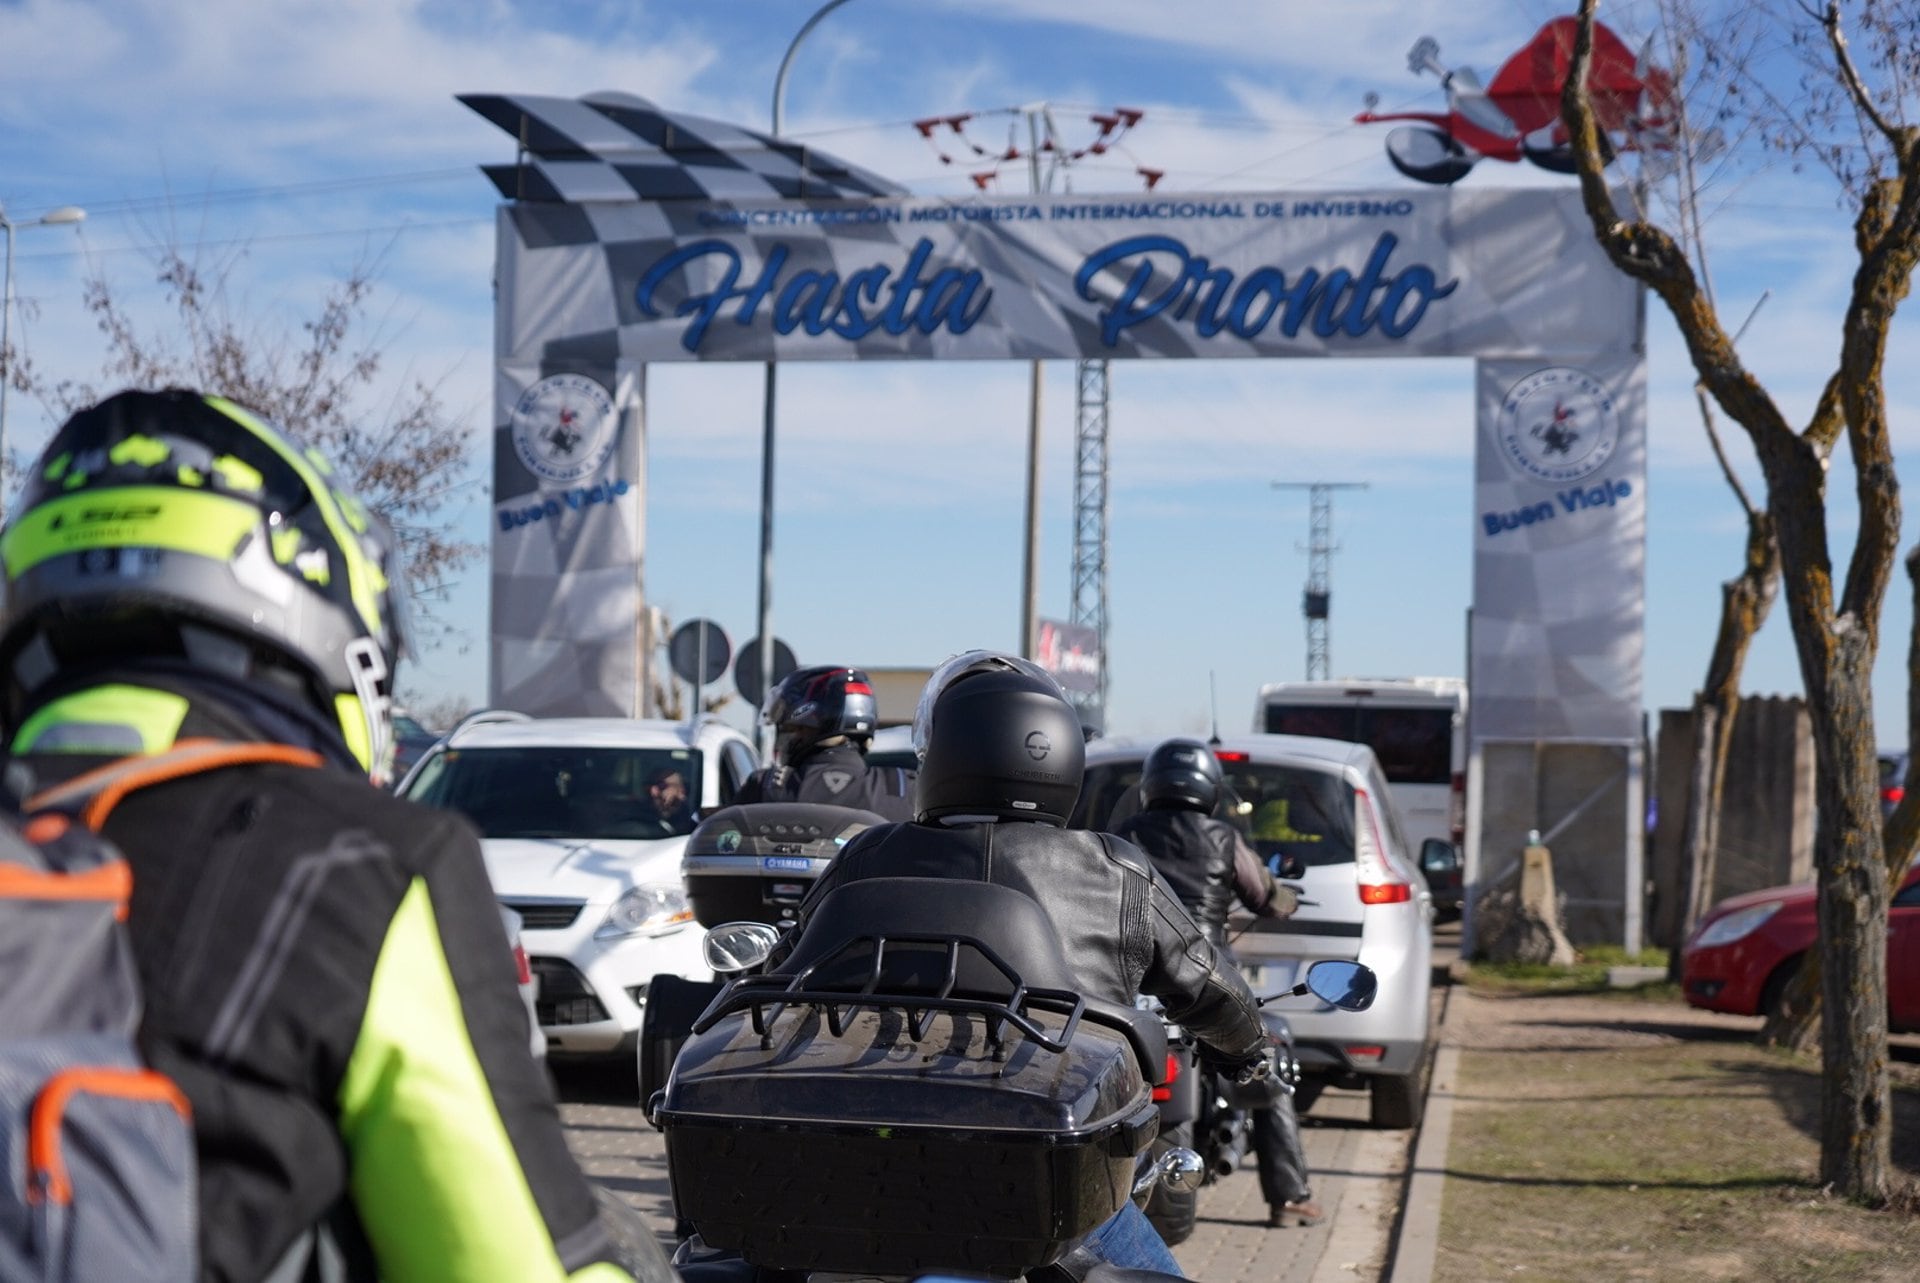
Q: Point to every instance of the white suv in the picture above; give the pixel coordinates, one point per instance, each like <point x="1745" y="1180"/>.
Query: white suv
<point x="582" y="823"/>
<point x="1318" y="811"/>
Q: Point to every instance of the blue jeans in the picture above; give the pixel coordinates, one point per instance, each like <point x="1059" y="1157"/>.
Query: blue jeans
<point x="1130" y="1240"/>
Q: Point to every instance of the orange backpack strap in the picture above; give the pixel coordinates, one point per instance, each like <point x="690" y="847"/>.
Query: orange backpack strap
<point x="94" y="794"/>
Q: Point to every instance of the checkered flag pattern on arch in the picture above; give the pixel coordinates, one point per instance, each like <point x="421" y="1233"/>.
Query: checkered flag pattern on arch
<point x="619" y="147"/>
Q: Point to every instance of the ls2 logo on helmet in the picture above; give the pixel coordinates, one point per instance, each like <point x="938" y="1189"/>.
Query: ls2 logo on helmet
<point x="1558" y="424"/>
<point x="1038" y="746"/>
<point x="564" y="428"/>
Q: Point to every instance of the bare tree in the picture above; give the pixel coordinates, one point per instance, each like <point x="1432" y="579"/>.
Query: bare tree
<point x="407" y="458"/>
<point x="1836" y="633"/>
<point x="1746" y="599"/>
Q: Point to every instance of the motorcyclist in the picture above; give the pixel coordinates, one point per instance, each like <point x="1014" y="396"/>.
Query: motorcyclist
<point x="323" y="965"/>
<point x="823" y="720"/>
<point x="1001" y="759"/>
<point x="1209" y="865"/>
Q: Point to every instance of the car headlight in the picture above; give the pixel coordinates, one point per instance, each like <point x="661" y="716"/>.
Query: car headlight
<point x="645" y="908"/>
<point x="1735" y="926"/>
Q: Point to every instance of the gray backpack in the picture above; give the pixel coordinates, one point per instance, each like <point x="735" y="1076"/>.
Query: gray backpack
<point x="99" y="1180"/>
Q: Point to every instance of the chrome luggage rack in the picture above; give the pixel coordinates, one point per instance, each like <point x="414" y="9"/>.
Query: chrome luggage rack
<point x="766" y="996"/>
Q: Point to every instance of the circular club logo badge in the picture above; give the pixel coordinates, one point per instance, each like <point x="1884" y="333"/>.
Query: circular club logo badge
<point x="563" y="428"/>
<point x="1558" y="424"/>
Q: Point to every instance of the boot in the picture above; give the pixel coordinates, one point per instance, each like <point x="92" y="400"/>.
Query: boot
<point x="1301" y="1211"/>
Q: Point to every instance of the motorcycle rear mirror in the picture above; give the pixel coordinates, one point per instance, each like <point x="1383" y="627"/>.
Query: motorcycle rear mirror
<point x="1349" y="986"/>
<point x="734" y="947"/>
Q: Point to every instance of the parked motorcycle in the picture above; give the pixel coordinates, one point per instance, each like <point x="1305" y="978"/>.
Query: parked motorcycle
<point x="899" y="1096"/>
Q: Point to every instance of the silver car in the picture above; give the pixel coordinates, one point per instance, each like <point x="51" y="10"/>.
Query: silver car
<point x="1318" y="811"/>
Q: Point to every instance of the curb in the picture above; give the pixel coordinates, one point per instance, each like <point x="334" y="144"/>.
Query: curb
<point x="1416" y="1237"/>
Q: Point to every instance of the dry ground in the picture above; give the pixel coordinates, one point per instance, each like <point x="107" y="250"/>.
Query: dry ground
<point x="1608" y="1136"/>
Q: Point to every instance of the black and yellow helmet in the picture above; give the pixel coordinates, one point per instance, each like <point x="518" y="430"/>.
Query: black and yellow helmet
<point x="176" y="523"/>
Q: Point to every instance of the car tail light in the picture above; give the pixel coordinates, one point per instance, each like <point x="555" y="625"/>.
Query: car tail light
<point x="520" y="965"/>
<point x="1365" y="1055"/>
<point x="1228" y="755"/>
<point x="1892" y="794"/>
<point x="1165" y="1090"/>
<point x="1380" y="882"/>
<point x="1457" y="808"/>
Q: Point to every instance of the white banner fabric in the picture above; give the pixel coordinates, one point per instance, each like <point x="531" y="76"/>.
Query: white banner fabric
<point x="1380" y="273"/>
<point x="568" y="536"/>
<point x="1559" y="568"/>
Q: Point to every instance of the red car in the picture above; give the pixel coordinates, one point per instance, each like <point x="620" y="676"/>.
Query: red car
<point x="1747" y="947"/>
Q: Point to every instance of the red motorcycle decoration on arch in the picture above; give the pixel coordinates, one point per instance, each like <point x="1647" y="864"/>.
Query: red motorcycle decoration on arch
<point x="1517" y="116"/>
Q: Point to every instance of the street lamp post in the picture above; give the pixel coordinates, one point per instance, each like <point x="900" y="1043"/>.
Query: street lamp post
<point x="64" y="214"/>
<point x="767" y="414"/>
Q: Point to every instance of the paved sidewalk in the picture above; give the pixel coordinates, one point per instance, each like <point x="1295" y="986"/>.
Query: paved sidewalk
<point x="1356" y="1174"/>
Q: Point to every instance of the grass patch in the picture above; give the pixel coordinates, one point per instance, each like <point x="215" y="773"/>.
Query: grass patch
<point x="1587" y="975"/>
<point x="1587" y="1144"/>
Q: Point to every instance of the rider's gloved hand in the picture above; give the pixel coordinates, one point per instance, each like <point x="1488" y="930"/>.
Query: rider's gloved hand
<point x="1241" y="1069"/>
<point x="1282" y="900"/>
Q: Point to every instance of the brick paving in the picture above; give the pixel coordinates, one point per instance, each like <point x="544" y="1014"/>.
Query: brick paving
<point x="1357" y="1176"/>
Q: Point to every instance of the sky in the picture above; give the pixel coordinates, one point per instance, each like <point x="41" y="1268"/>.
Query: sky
<point x="294" y="139"/>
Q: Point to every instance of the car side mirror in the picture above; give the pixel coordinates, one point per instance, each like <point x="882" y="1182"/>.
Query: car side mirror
<point x="1437" y="855"/>
<point x="736" y="947"/>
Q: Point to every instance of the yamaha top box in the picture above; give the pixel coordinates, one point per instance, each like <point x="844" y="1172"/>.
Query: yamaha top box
<point x="754" y="863"/>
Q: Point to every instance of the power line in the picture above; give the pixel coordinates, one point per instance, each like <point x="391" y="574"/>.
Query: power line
<point x="318" y="187"/>
<point x="238" y="242"/>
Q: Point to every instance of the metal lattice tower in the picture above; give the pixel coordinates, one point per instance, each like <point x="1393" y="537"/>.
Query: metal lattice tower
<point x="1090" y="509"/>
<point x="1316" y="602"/>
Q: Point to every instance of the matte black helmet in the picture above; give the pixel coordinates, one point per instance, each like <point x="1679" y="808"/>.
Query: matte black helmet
<point x="176" y="524"/>
<point x="814" y="704"/>
<point x="1181" y="775"/>
<point x="997" y="739"/>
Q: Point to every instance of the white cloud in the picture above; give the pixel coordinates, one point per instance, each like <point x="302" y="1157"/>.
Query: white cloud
<point x="270" y="87"/>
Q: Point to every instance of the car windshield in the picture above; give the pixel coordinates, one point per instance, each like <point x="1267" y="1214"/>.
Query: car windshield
<point x="565" y="792"/>
<point x="1414" y="745"/>
<point x="1293" y="813"/>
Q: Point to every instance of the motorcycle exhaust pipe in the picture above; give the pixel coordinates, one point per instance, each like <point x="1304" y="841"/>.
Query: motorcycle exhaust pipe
<point x="1226" y="1159"/>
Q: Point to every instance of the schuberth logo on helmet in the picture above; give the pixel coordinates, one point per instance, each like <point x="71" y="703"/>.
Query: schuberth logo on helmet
<point x="1038" y="746"/>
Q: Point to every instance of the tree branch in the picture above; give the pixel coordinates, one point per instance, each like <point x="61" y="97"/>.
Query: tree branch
<point x="1720" y="451"/>
<point x="1850" y="75"/>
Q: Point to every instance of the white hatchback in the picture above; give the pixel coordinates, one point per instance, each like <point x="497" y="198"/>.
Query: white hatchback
<point x="582" y="823"/>
<point x="1317" y="811"/>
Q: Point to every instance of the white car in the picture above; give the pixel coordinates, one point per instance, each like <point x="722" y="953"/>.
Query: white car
<point x="529" y="987"/>
<point x="1318" y="811"/>
<point x="582" y="823"/>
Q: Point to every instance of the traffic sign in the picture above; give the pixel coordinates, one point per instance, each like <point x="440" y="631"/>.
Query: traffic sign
<point x="699" y="651"/>
<point x="746" y="669"/>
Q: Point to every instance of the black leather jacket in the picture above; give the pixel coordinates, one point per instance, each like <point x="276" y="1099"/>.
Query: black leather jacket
<point x="837" y="775"/>
<point x="1123" y="930"/>
<point x="1206" y="862"/>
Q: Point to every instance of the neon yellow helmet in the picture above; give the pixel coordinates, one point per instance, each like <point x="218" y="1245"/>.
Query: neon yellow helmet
<point x="171" y="523"/>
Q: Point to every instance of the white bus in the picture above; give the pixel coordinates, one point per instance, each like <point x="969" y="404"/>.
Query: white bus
<point x="1416" y="726"/>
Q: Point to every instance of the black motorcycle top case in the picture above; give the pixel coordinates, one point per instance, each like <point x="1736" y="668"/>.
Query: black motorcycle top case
<point x="875" y="1152"/>
<point x="754" y="863"/>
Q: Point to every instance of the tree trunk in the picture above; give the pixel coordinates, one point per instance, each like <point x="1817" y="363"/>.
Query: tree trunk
<point x="1701" y="836"/>
<point x="1855" y="1133"/>
<point x="1744" y="603"/>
